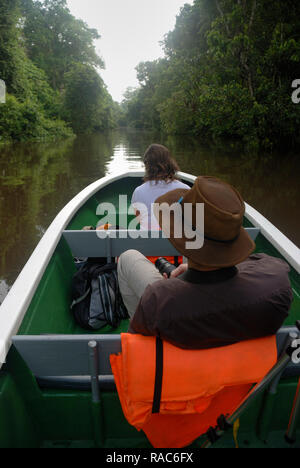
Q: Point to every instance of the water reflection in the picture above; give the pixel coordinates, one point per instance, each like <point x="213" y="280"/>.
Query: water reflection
<point x="37" y="180"/>
<point x="123" y="160"/>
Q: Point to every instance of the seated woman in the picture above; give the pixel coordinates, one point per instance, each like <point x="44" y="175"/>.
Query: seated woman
<point x="160" y="178"/>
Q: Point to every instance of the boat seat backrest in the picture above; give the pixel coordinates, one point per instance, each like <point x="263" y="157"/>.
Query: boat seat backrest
<point x="58" y="360"/>
<point x="65" y="355"/>
<point x="114" y="243"/>
<point x="64" y="361"/>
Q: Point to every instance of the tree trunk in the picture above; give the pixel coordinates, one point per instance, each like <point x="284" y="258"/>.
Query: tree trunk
<point x="222" y="16"/>
<point x="244" y="55"/>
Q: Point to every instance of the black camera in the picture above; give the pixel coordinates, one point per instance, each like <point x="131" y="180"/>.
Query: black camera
<point x="164" y="266"/>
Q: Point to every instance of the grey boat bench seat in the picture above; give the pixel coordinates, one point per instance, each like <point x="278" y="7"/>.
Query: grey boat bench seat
<point x="113" y="243"/>
<point x="64" y="361"/>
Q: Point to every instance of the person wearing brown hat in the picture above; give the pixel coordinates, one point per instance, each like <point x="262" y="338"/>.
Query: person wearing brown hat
<point x="224" y="294"/>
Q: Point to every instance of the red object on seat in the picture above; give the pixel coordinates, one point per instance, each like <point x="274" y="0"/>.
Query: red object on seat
<point x="170" y="259"/>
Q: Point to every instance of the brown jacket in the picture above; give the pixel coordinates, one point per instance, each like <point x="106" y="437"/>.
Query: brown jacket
<point x="210" y="309"/>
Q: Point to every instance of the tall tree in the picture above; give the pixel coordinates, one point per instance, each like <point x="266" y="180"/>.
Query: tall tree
<point x="9" y="35"/>
<point x="42" y="46"/>
<point x="87" y="104"/>
<point x="228" y="70"/>
<point x="55" y="39"/>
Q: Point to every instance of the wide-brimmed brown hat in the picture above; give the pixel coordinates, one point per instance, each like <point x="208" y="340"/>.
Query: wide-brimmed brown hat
<point x="226" y="242"/>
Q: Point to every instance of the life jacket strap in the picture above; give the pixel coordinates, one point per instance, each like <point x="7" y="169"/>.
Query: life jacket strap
<point x="158" y="375"/>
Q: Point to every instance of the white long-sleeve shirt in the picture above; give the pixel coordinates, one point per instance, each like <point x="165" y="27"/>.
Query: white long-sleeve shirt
<point x="146" y="194"/>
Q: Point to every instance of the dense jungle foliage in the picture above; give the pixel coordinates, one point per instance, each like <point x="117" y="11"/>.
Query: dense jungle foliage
<point x="228" y="71"/>
<point x="49" y="64"/>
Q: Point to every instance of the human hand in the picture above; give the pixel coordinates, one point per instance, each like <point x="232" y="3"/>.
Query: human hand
<point x="179" y="271"/>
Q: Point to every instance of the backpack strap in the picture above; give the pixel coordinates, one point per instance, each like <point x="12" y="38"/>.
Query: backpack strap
<point x="80" y="299"/>
<point x="95" y="270"/>
<point x="108" y="299"/>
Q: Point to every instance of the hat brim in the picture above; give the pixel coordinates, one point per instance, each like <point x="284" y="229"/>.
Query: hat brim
<point x="214" y="254"/>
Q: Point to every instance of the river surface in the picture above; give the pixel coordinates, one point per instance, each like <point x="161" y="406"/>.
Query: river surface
<point x="38" y="179"/>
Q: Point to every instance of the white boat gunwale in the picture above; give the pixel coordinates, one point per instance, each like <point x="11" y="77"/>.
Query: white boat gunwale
<point x="16" y="303"/>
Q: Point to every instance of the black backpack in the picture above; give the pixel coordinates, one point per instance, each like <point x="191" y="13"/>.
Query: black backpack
<point x="97" y="300"/>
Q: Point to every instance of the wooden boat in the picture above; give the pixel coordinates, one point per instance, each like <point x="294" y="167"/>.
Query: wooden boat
<point x="45" y="380"/>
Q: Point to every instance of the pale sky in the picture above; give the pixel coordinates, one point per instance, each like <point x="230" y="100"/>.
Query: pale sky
<point x="130" y="33"/>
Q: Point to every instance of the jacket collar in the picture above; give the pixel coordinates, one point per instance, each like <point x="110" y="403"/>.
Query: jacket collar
<point x="202" y="277"/>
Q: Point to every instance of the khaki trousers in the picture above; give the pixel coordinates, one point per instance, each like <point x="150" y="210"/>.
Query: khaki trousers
<point x="135" y="273"/>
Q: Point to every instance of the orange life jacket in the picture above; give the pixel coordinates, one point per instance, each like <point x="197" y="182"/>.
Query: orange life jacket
<point x="198" y="386"/>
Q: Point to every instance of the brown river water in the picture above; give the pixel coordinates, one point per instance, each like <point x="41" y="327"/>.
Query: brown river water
<point x="38" y="179"/>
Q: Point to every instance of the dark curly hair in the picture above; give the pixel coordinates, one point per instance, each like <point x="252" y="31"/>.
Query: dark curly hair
<point x="159" y="164"/>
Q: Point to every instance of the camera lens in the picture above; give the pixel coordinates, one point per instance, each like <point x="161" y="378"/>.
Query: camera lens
<point x="164" y="266"/>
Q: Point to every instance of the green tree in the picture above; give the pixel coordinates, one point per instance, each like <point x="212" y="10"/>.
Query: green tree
<point x="227" y="72"/>
<point x="9" y="15"/>
<point x="32" y="108"/>
<point x="44" y="53"/>
<point x="55" y="39"/>
<point x="86" y="102"/>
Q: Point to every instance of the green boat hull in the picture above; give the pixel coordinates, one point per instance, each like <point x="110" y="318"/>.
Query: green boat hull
<point x="34" y="417"/>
